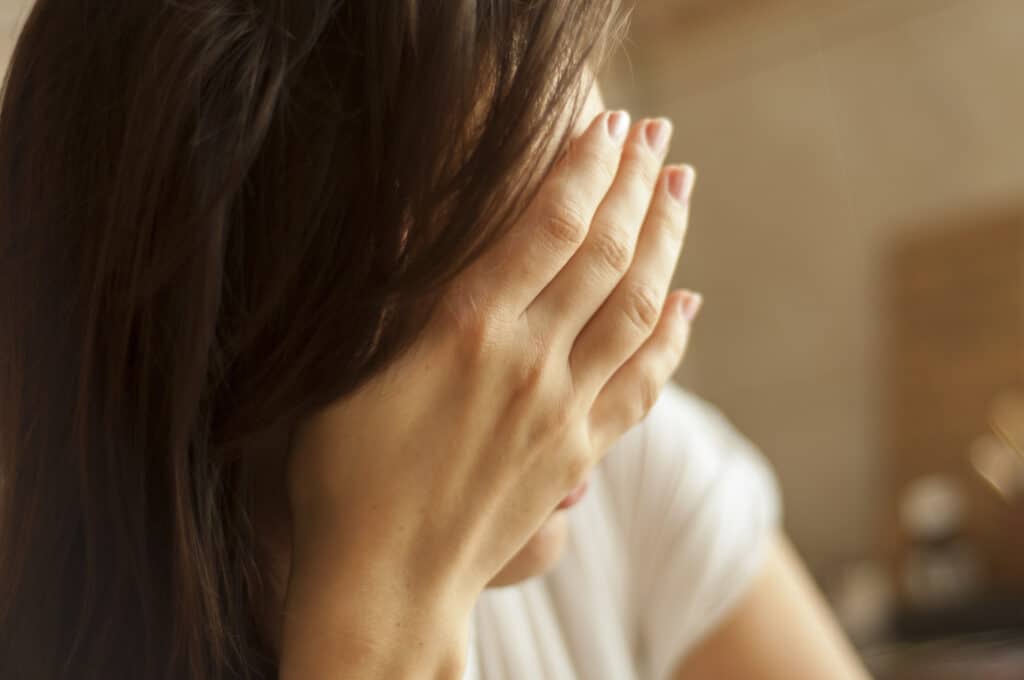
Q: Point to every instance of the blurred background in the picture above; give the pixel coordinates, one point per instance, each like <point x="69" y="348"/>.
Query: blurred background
<point x="858" y="234"/>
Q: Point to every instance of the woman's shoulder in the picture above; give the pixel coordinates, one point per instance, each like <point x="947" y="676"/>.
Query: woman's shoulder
<point x="695" y="503"/>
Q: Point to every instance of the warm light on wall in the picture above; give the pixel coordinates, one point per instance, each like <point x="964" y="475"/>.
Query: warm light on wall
<point x="998" y="457"/>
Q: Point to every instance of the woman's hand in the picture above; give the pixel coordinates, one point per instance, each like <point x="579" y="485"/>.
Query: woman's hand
<point x="409" y="495"/>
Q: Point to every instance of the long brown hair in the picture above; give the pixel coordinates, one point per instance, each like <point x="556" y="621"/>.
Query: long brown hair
<point x="216" y="216"/>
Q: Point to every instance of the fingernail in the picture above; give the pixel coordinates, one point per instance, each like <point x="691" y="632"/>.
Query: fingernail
<point x="657" y="132"/>
<point x="680" y="183"/>
<point x="690" y="304"/>
<point x="618" y="125"/>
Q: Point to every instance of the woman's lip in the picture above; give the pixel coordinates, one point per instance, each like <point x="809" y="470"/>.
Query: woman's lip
<point x="574" y="496"/>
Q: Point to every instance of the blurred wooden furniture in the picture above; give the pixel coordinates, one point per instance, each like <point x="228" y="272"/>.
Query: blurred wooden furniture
<point x="953" y="341"/>
<point x="978" y="658"/>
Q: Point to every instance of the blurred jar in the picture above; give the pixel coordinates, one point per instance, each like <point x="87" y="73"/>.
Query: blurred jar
<point x="942" y="567"/>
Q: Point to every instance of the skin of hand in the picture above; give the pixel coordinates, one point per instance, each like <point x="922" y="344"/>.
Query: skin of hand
<point x="549" y="348"/>
<point x="751" y="643"/>
<point x="544" y="547"/>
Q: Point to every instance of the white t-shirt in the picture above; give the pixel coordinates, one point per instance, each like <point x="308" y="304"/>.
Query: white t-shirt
<point x="668" y="536"/>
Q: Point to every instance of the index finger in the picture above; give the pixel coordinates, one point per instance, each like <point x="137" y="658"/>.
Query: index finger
<point x="556" y="222"/>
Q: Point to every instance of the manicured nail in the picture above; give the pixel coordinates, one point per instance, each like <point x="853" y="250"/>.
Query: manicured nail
<point x="618" y="125"/>
<point x="680" y="182"/>
<point x="690" y="304"/>
<point x="657" y="133"/>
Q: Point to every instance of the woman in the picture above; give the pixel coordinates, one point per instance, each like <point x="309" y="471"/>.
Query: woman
<point x="314" y="327"/>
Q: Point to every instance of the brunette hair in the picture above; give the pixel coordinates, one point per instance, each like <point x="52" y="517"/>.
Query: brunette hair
<point x="217" y="216"/>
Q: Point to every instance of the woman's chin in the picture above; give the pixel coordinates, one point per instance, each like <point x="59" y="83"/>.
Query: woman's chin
<point x="539" y="554"/>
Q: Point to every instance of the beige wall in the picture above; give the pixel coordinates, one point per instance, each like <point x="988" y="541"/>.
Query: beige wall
<point x="12" y="12"/>
<point x="817" y="133"/>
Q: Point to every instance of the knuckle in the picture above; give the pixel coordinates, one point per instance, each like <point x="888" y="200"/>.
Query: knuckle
<point x="477" y="335"/>
<point x="598" y="162"/>
<point x="641" y="306"/>
<point x="577" y="465"/>
<point x="679" y="337"/>
<point x="643" y="170"/>
<point x="670" y="224"/>
<point x="561" y="415"/>
<point x="649" y="390"/>
<point x="613" y="249"/>
<point x="552" y="420"/>
<point x="565" y="225"/>
<point x="669" y="216"/>
<point x="529" y="377"/>
<point x="533" y="369"/>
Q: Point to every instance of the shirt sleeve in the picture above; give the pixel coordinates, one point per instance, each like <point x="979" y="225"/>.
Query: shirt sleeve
<point x="697" y="503"/>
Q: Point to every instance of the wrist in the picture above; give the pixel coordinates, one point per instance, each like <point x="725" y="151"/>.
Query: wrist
<point x="343" y="623"/>
<point x="398" y="564"/>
